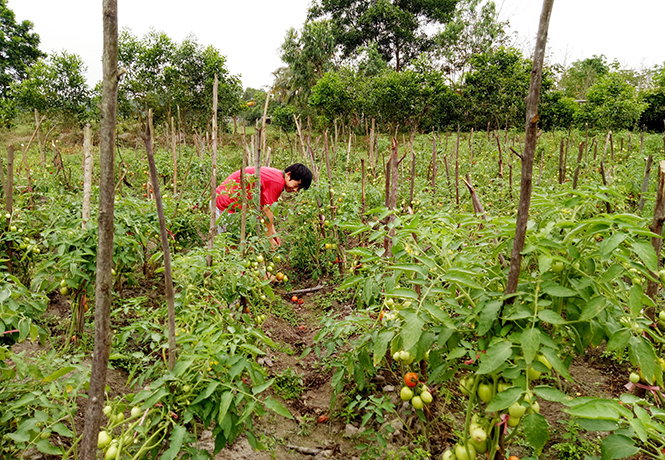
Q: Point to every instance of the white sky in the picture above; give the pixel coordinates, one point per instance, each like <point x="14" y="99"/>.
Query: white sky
<point x="250" y="33"/>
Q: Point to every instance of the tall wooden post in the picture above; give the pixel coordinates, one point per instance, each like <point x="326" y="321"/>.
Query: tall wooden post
<point x="213" y="179"/>
<point x="87" y="173"/>
<point x="104" y="281"/>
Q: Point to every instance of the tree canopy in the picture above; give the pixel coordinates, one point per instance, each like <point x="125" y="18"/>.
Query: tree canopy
<point x="19" y="50"/>
<point x="401" y="29"/>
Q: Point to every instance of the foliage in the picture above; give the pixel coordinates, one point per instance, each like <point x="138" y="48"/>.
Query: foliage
<point x="308" y="54"/>
<point x="19" y="47"/>
<point x="174" y="78"/>
<point x="56" y="87"/>
<point x="612" y="103"/>
<point x="399" y="29"/>
<point x="474" y="29"/>
<point x="495" y="88"/>
<point x="582" y="75"/>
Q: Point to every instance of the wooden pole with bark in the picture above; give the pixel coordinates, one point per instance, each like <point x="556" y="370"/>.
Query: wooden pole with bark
<point x="213" y="181"/>
<point x="393" y="164"/>
<point x="413" y="167"/>
<point x="168" y="280"/>
<point x="562" y="167"/>
<point x="531" y="136"/>
<point x="645" y="179"/>
<point x="87" y="173"/>
<point x="457" y="166"/>
<point x="657" y="241"/>
<point x="433" y="164"/>
<point x="580" y="156"/>
<point x="100" y="359"/>
<point x="9" y="201"/>
<point x="175" y="156"/>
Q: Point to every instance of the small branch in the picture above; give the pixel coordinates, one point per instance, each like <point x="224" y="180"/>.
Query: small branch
<point x="518" y="155"/>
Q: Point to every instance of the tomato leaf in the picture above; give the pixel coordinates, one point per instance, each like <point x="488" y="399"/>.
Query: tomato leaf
<point x="550" y="316"/>
<point x="177" y="437"/>
<point x="207" y="392"/>
<point x="610" y="244"/>
<point x="59" y="373"/>
<point x="504" y="399"/>
<point x="227" y="397"/>
<point x="619" y="340"/>
<point x="381" y="345"/>
<point x="496" y="355"/>
<point x="645" y="356"/>
<point x="536" y="430"/>
<point x="488" y="315"/>
<point x="277" y="407"/>
<point x="635" y="300"/>
<point x="595" y="409"/>
<point x="530" y="344"/>
<point x="46" y="447"/>
<point x="593" y="308"/>
<point x="647" y="255"/>
<point x="556" y="290"/>
<point x="617" y="446"/>
<point x="412" y="329"/>
<point x="550" y="394"/>
<point x="556" y="362"/>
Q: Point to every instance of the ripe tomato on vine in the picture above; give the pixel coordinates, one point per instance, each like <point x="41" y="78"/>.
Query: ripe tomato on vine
<point x="411" y="379"/>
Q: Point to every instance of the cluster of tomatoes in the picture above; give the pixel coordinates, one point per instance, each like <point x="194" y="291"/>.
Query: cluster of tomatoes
<point x="418" y="395"/>
<point x="295" y="299"/>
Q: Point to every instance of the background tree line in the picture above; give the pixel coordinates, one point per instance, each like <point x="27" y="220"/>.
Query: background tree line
<point x="408" y="64"/>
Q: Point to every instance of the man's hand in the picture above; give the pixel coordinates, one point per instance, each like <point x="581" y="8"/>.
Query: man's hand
<point x="275" y="241"/>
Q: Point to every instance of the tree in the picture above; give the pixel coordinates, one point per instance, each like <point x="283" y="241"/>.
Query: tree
<point x="18" y="52"/>
<point x="56" y="86"/>
<point x="611" y="103"/>
<point x="653" y="115"/>
<point x="401" y="29"/>
<point x="168" y="76"/>
<point x="474" y="29"/>
<point x="495" y="88"/>
<point x="333" y="95"/>
<point x="308" y="55"/>
<point x="582" y="75"/>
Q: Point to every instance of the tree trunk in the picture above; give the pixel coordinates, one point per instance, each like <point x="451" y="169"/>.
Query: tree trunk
<point x="87" y="173"/>
<point x="103" y="299"/>
<point x="213" y="180"/>
<point x="531" y="136"/>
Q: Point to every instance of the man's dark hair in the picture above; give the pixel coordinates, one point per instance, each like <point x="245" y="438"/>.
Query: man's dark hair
<point x="300" y="172"/>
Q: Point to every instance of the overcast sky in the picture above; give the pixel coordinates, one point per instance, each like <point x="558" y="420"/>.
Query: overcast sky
<point x="250" y="33"/>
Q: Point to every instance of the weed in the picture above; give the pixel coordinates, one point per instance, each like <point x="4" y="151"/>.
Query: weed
<point x="575" y="446"/>
<point x="289" y="385"/>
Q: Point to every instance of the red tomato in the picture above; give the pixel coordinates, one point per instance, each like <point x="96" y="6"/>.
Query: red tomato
<point x="411" y="379"/>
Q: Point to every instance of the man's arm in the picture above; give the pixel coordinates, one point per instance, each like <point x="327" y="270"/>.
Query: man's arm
<point x="271" y="226"/>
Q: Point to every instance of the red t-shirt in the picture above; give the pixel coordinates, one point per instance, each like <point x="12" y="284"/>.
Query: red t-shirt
<point x="272" y="185"/>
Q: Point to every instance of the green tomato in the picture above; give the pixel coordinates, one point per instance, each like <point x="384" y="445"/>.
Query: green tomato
<point x="259" y="259"/>
<point x="533" y="374"/>
<point x="535" y="407"/>
<point x="426" y="396"/>
<point x="136" y="411"/>
<point x="107" y="410"/>
<point x="516" y="411"/>
<point x="545" y="361"/>
<point x="557" y="267"/>
<point x="45" y="434"/>
<point x="278" y="258"/>
<point x="417" y="402"/>
<point x="448" y="455"/>
<point x="406" y="394"/>
<point x="635" y="378"/>
<point x="481" y="447"/>
<point x="513" y="421"/>
<point x="466" y="385"/>
<point x="112" y="452"/>
<point x="390" y="302"/>
<point x="461" y="452"/>
<point x="103" y="439"/>
<point x="485" y="393"/>
<point x="12" y="228"/>
<point x="479" y="435"/>
<point x="661" y="315"/>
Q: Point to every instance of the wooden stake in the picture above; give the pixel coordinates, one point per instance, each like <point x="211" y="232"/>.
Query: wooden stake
<point x="87" y="173"/>
<point x="580" y="155"/>
<point x="657" y="241"/>
<point x="175" y="157"/>
<point x="213" y="176"/>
